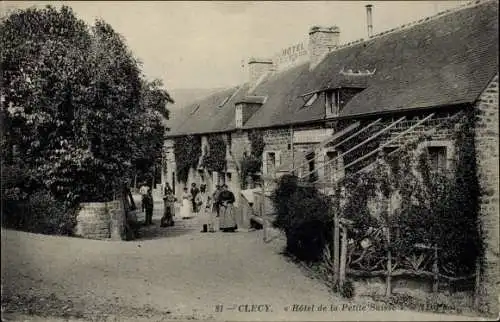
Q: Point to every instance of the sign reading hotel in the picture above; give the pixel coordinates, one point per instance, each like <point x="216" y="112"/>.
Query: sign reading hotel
<point x="291" y="56"/>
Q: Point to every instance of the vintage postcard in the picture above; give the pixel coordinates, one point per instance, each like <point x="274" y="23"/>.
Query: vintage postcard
<point x="249" y="160"/>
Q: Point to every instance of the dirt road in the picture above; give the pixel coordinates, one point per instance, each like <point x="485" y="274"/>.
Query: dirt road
<point x="172" y="273"/>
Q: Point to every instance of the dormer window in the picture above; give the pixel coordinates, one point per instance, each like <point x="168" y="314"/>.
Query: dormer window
<point x="224" y="102"/>
<point x="311" y="100"/>
<point x="332" y="103"/>
<point x="239" y="116"/>
<point x="195" y="109"/>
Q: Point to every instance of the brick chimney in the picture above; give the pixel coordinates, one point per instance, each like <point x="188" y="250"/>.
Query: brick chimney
<point x="321" y="41"/>
<point x="258" y="67"/>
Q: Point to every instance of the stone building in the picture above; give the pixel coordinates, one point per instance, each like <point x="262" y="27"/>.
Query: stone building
<point x="334" y="114"/>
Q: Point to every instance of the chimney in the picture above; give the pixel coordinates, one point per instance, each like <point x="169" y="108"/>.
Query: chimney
<point x="258" y="67"/>
<point x="369" y="19"/>
<point x="321" y="42"/>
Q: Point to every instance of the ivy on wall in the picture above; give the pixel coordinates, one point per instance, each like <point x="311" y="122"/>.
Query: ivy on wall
<point x="251" y="162"/>
<point x="187" y="151"/>
<point x="257" y="143"/>
<point x="215" y="158"/>
<point x="435" y="208"/>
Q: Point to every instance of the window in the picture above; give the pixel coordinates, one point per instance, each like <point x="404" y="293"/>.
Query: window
<point x="271" y="161"/>
<point x="332" y="103"/>
<point x="437" y="158"/>
<point x="311" y="100"/>
<point x="195" y="109"/>
<point x="229" y="177"/>
<point x="239" y="116"/>
<point x="224" y="102"/>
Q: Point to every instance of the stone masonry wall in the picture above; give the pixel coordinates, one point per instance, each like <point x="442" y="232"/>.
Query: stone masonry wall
<point x="239" y="144"/>
<point x="101" y="220"/>
<point x="487" y="153"/>
<point x="279" y="140"/>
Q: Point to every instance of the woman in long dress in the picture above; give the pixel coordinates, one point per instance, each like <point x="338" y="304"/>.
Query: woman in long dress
<point x="186" y="204"/>
<point x="227" y="216"/>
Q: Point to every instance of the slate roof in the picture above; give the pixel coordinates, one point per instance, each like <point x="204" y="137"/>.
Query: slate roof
<point x="445" y="60"/>
<point x="283" y="105"/>
<point x="208" y="115"/>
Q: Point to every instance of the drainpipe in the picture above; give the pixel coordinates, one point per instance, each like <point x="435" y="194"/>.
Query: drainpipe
<point x="291" y="147"/>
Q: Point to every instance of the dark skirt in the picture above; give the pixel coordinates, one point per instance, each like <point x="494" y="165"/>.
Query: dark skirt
<point x="227" y="219"/>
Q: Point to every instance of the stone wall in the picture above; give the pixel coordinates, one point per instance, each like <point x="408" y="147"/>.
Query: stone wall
<point x="486" y="134"/>
<point x="101" y="220"/>
<point x="239" y="144"/>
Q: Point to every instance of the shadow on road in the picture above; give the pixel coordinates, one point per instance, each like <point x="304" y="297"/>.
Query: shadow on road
<point x="181" y="227"/>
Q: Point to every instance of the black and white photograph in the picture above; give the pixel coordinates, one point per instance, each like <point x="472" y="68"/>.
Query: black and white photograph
<point x="249" y="161"/>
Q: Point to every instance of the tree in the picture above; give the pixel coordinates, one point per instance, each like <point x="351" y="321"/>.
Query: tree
<point x="147" y="152"/>
<point x="74" y="105"/>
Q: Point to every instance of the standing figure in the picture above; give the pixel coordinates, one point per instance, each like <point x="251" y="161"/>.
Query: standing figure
<point x="203" y="203"/>
<point x="169" y="200"/>
<point x="194" y="194"/>
<point x="186" y="204"/>
<point x="227" y="216"/>
<point x="215" y="209"/>
<point x="147" y="204"/>
<point x="143" y="190"/>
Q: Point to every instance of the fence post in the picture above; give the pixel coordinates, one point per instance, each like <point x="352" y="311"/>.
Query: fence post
<point x="388" y="287"/>
<point x="435" y="271"/>
<point x="336" y="248"/>
<point x="336" y="237"/>
<point x="343" y="256"/>
<point x="264" y="223"/>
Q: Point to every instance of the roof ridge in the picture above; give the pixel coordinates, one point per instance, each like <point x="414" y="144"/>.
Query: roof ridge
<point x="412" y="24"/>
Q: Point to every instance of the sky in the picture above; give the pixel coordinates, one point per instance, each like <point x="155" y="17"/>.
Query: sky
<point x="207" y="44"/>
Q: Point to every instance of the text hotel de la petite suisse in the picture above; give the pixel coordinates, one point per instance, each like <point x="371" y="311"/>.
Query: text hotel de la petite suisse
<point x="262" y="308"/>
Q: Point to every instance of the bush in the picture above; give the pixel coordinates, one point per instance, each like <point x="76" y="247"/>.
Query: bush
<point x="347" y="289"/>
<point x="303" y="213"/>
<point x="40" y="212"/>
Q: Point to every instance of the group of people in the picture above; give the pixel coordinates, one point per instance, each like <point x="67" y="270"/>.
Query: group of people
<point x="214" y="210"/>
<point x="210" y="207"/>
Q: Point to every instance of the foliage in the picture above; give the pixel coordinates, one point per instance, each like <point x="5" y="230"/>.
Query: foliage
<point x="74" y="105"/>
<point x="304" y="214"/>
<point x="147" y="152"/>
<point x="38" y="211"/>
<point x="251" y="162"/>
<point x="249" y="165"/>
<point x="215" y="159"/>
<point x="187" y="151"/>
<point x="434" y="208"/>
<point x="347" y="289"/>
<point x="257" y="143"/>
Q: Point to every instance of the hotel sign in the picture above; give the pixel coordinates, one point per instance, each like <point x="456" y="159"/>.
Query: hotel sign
<point x="311" y="136"/>
<point x="291" y="55"/>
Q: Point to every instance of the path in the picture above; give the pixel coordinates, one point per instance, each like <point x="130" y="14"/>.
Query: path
<point x="174" y="272"/>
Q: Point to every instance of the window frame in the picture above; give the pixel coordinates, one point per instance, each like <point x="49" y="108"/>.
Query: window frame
<point x="311" y="100"/>
<point x="332" y="96"/>
<point x="449" y="150"/>
<point x="265" y="161"/>
<point x="239" y="116"/>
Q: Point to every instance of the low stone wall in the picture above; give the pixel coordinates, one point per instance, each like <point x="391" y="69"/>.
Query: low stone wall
<point x="101" y="220"/>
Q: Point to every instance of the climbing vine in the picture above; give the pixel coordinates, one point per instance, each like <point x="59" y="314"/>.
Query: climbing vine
<point x="187" y="151"/>
<point x="433" y="208"/>
<point x="251" y="162"/>
<point x="214" y="158"/>
<point x="257" y="143"/>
